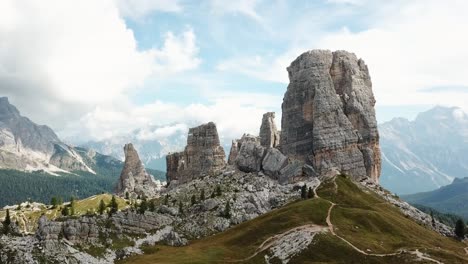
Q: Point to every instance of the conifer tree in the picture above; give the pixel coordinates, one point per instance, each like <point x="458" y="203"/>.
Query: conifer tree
<point x="181" y="207"/>
<point x="152" y="206"/>
<point x="114" y="206"/>
<point x="7" y="222"/>
<point x="54" y="202"/>
<point x="227" y="210"/>
<point x="193" y="200"/>
<point x="202" y="195"/>
<point x="143" y="206"/>
<point x="304" y="192"/>
<point x="102" y="207"/>
<point x="218" y="190"/>
<point x="310" y="193"/>
<point x="72" y="206"/>
<point x="127" y="195"/>
<point x="460" y="229"/>
<point x="433" y="220"/>
<point x="166" y="199"/>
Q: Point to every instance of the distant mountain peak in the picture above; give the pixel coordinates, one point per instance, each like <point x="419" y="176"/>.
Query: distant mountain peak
<point x="7" y="109"/>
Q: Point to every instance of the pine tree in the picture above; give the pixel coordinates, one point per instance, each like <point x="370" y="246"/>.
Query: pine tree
<point x="127" y="195"/>
<point x="213" y="194"/>
<point x="114" y="206"/>
<point x="143" y="206"/>
<point x="460" y="229"/>
<point x="72" y="206"/>
<point x="181" y="208"/>
<point x="166" y="199"/>
<point x="6" y="223"/>
<point x="152" y="206"/>
<point x="65" y="211"/>
<point x="218" y="190"/>
<point x="304" y="192"/>
<point x="202" y="195"/>
<point x="193" y="200"/>
<point x="102" y="207"/>
<point x="54" y="202"/>
<point x="227" y="210"/>
<point x="433" y="220"/>
<point x="310" y="193"/>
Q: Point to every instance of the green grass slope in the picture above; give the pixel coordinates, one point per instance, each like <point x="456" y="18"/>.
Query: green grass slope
<point x="359" y="217"/>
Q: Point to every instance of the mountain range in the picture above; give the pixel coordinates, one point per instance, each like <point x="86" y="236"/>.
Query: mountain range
<point x="426" y="153"/>
<point x="35" y="164"/>
<point x="452" y="198"/>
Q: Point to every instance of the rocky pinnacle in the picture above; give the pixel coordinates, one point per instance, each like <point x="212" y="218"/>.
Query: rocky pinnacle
<point x="269" y="134"/>
<point x="134" y="179"/>
<point x="328" y="115"/>
<point x="202" y="156"/>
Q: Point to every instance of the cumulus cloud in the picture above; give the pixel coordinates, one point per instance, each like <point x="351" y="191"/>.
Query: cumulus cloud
<point x="233" y="113"/>
<point x="409" y="46"/>
<point x="61" y="59"/>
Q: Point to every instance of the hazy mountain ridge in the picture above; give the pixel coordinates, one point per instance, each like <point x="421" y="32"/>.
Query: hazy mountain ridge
<point x="452" y="198"/>
<point x="426" y="153"/>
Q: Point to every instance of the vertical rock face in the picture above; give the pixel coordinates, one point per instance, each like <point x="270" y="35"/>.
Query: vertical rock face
<point x="235" y="147"/>
<point x="269" y="134"/>
<point x="203" y="155"/>
<point x="134" y="179"/>
<point x="328" y="116"/>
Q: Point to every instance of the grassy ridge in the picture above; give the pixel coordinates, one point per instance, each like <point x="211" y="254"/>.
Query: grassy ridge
<point x="362" y="218"/>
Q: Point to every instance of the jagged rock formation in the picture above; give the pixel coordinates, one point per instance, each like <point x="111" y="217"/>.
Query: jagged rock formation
<point x="202" y="156"/>
<point x="269" y="134"/>
<point x="328" y="116"/>
<point x="134" y="179"/>
<point x="235" y="147"/>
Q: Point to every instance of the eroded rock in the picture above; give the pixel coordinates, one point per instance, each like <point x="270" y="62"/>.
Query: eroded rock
<point x="328" y="118"/>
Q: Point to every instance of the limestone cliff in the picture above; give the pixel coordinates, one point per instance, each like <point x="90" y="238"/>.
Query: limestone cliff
<point x="134" y="179"/>
<point x="328" y="116"/>
<point x="202" y="156"/>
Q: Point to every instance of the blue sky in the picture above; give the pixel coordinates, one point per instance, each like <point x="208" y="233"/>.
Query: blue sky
<point x="105" y="68"/>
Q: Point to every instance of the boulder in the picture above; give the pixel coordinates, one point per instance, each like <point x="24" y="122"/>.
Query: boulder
<point x="251" y="154"/>
<point x="273" y="162"/>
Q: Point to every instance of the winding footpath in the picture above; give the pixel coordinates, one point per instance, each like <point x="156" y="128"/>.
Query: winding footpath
<point x="318" y="228"/>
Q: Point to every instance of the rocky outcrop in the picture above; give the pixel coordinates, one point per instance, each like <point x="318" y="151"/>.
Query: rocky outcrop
<point x="202" y="156"/>
<point x="328" y="118"/>
<point x="134" y="179"/>
<point x="235" y="147"/>
<point x="269" y="134"/>
<point x="251" y="154"/>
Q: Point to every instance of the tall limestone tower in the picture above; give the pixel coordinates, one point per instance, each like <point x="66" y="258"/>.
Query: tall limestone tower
<point x="328" y="117"/>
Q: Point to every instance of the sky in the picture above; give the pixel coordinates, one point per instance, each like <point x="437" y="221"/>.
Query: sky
<point x="94" y="70"/>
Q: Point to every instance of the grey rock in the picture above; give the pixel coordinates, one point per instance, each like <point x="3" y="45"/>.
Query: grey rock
<point x="273" y="162"/>
<point x="134" y="179"/>
<point x="251" y="154"/>
<point x="269" y="134"/>
<point x="202" y="156"/>
<point x="328" y="118"/>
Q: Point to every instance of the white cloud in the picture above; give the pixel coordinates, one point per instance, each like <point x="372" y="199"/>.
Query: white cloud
<point x="234" y="114"/>
<point x="179" y="53"/>
<point x="140" y="8"/>
<point x="408" y="46"/>
<point x="161" y="133"/>
<point x="60" y="59"/>
<point x="243" y="7"/>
